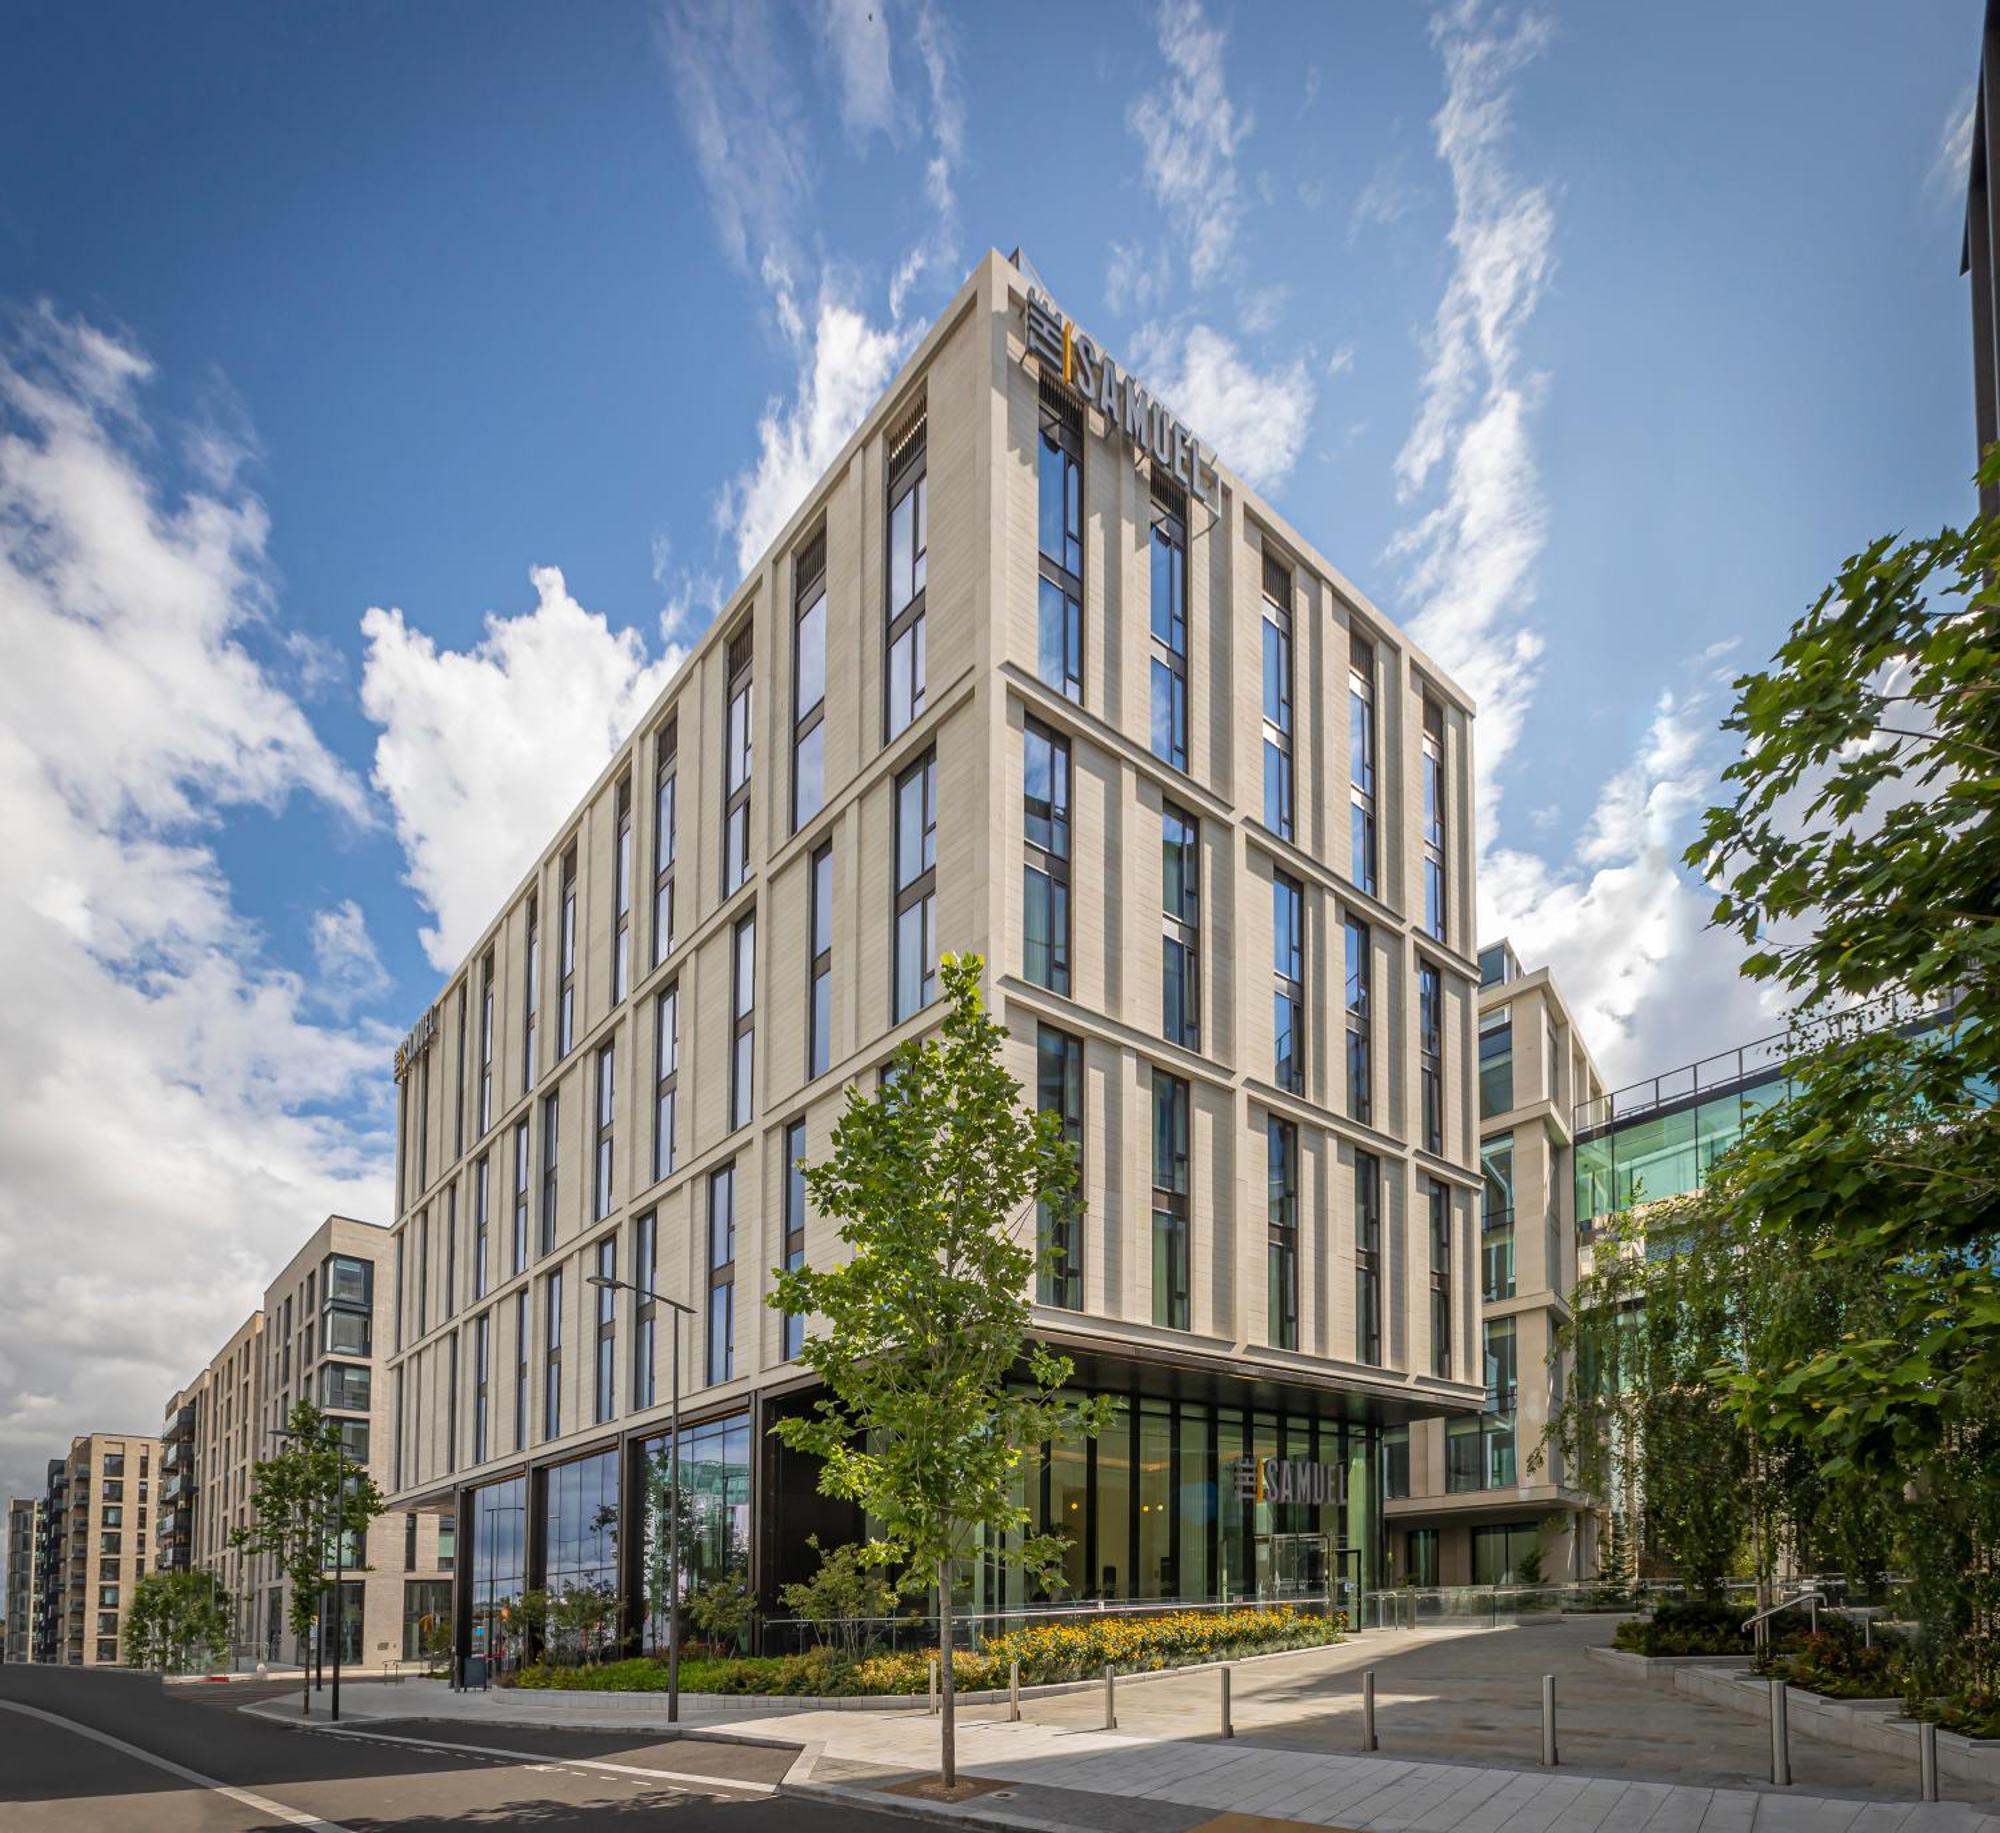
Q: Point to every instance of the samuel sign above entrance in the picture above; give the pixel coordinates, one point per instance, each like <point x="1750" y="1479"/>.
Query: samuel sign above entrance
<point x="1146" y="425"/>
<point x="1290" y="1479"/>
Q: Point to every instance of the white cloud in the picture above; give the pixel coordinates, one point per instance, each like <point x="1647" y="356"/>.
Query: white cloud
<point x="739" y="106"/>
<point x="166" y="1100"/>
<point x="731" y="83"/>
<point x="1190" y="132"/>
<point x="1255" y="419"/>
<point x="485" y="751"/>
<point x="1471" y="556"/>
<point x="858" y="31"/>
<point x="1135" y="277"/>
<point x="1953" y="162"/>
<point x="350" y="971"/>
<point x="1384" y="199"/>
<point x="1622" y="925"/>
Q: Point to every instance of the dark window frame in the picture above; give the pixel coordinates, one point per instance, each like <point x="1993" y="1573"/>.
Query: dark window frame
<point x="1281" y="1217"/>
<point x="1363" y="745"/>
<point x="1059" y="1072"/>
<point x="1169" y="662"/>
<point x="602" y="1156"/>
<point x="1288" y="981"/>
<point x="1430" y="1055"/>
<point x="1368" y="1259"/>
<point x="743" y="1021"/>
<point x="1172" y="1184"/>
<point x="808" y="598"/>
<point x="1358" y="960"/>
<point x="531" y="993"/>
<point x="1047" y="858"/>
<point x="567" y="950"/>
<point x="552" y="1303"/>
<point x="604" y="1387"/>
<point x="1278" y="623"/>
<point x="666" y="1080"/>
<point x="666" y="834"/>
<point x="621" y="891"/>
<point x="791" y="1325"/>
<point x="739" y="677"/>
<point x="1437" y="910"/>
<point x="819" y="970"/>
<point x="1060" y="441"/>
<point x="1441" y="1281"/>
<point x="551" y="1168"/>
<point x="721" y="1282"/>
<point x="1182" y="919"/>
<point x="919" y="892"/>
<point x="907" y="464"/>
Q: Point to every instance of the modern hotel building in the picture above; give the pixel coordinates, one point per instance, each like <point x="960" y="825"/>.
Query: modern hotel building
<point x="1029" y="674"/>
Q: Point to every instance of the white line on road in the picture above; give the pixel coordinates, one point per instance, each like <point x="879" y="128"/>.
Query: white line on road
<point x="541" y="1759"/>
<point x="260" y="1804"/>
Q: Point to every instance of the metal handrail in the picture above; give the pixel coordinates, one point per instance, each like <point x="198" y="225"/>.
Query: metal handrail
<point x="1813" y="1598"/>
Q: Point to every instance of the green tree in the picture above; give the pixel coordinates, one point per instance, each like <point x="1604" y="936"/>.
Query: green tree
<point x="300" y="1499"/>
<point x="1861" y="860"/>
<point x="934" y="1387"/>
<point x="177" y="1621"/>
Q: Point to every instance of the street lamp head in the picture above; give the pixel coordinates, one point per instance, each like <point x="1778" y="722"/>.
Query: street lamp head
<point x="604" y="1281"/>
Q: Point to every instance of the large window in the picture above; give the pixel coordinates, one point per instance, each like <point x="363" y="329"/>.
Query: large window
<point x="722" y="1274"/>
<point x="1278" y="796"/>
<point x="531" y="995"/>
<point x="1059" y="617"/>
<point x="482" y="1226"/>
<point x="1481" y="1453"/>
<point x="666" y="835"/>
<point x="1170" y="1201"/>
<point x="1170" y="631"/>
<point x="1059" y="1090"/>
<point x="1430" y="1054"/>
<point x="736" y="742"/>
<point x="916" y="888"/>
<point x="1361" y="760"/>
<point x="809" y="682"/>
<point x="743" y="1009"/>
<point x="604" y="1399"/>
<point x="551" y="1142"/>
<point x="621" y="902"/>
<point x="645" y="1325"/>
<point x="1440" y="1204"/>
<point x="1367" y="1258"/>
<point x="521" y="1369"/>
<point x="1496" y="1061"/>
<point x="580" y="1544"/>
<point x="566" y="995"/>
<point x="666" y="1079"/>
<point x="1180" y="893"/>
<point x="1288" y="967"/>
<point x="482" y="1369"/>
<point x="1496" y="1217"/>
<point x="607" y="1106"/>
<point x="552" y="1334"/>
<point x="909" y="544"/>
<point x="519" y="1258"/>
<point x="1045" y="878"/>
<point x="1360" y="965"/>
<point x="819" y="990"/>
<point x="1282" y="1221"/>
<point x="343" y="1387"/>
<point x="1395" y="1462"/>
<point x="792" y="1327"/>
<point x="486" y="1041"/>
<point x="1434" y="874"/>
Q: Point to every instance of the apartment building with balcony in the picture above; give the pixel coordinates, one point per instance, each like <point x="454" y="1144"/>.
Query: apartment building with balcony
<point x="1030" y="673"/>
<point x="97" y="1517"/>
<point x="318" y="1338"/>
<point x="1468" y="1500"/>
<point x="24" y="1528"/>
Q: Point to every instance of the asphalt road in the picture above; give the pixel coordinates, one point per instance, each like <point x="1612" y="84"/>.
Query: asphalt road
<point x="109" y="1752"/>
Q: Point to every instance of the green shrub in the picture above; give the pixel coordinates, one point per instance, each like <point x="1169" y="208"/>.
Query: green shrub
<point x="1686" y="1626"/>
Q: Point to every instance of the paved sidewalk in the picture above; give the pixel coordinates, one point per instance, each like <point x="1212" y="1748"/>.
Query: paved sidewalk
<point x="1458" y="1716"/>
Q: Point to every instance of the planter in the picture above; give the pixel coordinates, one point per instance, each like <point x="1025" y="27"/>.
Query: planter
<point x="1663" y="1667"/>
<point x="1856" y="1724"/>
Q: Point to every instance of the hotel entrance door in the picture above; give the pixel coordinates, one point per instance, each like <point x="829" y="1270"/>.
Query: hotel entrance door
<point x="1292" y="1566"/>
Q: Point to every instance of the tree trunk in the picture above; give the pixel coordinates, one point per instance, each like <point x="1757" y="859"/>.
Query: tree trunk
<point x="948" y="1722"/>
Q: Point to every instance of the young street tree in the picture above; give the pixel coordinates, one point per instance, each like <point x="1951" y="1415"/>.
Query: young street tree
<point x="300" y="1499"/>
<point x="934" y="1386"/>
<point x="174" y="1618"/>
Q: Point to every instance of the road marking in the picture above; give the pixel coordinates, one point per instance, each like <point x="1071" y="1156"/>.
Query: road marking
<point x="259" y="1804"/>
<point x="541" y="1760"/>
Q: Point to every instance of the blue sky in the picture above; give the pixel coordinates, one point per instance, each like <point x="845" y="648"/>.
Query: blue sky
<point x="1586" y="339"/>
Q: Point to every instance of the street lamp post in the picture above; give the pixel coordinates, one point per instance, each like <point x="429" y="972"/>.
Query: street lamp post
<point x="675" y="1307"/>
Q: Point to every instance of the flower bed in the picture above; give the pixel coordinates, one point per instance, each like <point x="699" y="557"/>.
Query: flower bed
<point x="1836" y="1663"/>
<point x="1050" y="1653"/>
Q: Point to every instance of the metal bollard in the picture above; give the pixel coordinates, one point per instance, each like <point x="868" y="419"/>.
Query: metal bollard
<point x="1014" y="1692"/>
<point x="1927" y="1760"/>
<point x="1781" y="1738"/>
<point x="1228" y="1730"/>
<point x="1549" y="1721"/>
<point x="1368" y="1709"/>
<point x="934" y="1684"/>
<point x="1110" y="1699"/>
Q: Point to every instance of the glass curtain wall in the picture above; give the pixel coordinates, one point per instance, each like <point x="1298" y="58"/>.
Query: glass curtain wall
<point x="499" y="1567"/>
<point x="715" y="1478"/>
